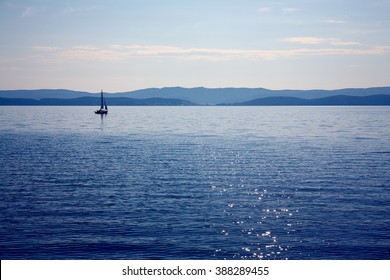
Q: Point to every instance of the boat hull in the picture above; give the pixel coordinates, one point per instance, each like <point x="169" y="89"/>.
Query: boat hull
<point x="101" y="112"/>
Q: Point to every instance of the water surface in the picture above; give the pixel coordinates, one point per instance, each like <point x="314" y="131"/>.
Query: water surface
<point x="195" y="183"/>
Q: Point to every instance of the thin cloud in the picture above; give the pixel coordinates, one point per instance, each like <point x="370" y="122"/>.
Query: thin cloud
<point x="336" y="42"/>
<point x="263" y="10"/>
<point x="335" y="21"/>
<point x="69" y="9"/>
<point x="92" y="53"/>
<point x="290" y="10"/>
<point x="118" y="53"/>
<point x="316" y="41"/>
<point x="305" y="40"/>
<point x="46" y="48"/>
<point x="31" y="11"/>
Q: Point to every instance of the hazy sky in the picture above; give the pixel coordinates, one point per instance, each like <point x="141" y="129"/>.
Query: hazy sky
<point x="133" y="44"/>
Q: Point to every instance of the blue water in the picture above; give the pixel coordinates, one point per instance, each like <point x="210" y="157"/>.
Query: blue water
<point x="195" y="183"/>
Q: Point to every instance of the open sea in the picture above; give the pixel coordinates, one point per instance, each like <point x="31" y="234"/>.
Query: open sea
<point x="195" y="183"/>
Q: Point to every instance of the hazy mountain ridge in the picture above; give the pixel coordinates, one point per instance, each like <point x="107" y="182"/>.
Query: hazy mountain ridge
<point x="199" y="95"/>
<point x="44" y="93"/>
<point x="94" y="101"/>
<point x="338" y="100"/>
<point x="175" y="96"/>
<point x="212" y="96"/>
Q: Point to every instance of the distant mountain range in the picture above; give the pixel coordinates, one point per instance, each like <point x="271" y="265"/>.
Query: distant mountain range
<point x="177" y="96"/>
<point x="337" y="100"/>
<point x="94" y="101"/>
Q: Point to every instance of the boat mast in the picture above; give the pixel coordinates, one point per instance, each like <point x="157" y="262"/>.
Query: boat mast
<point x="101" y="99"/>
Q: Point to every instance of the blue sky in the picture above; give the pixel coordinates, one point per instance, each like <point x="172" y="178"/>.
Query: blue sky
<point x="134" y="44"/>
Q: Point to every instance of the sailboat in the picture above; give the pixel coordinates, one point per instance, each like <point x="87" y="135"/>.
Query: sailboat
<point x="103" y="105"/>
